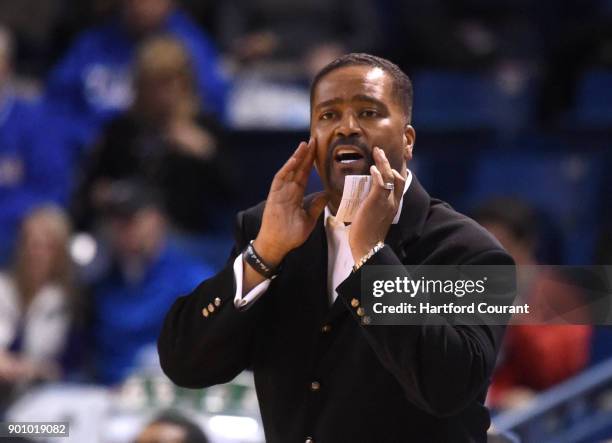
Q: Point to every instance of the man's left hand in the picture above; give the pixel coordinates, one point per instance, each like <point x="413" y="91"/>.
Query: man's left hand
<point x="373" y="218"/>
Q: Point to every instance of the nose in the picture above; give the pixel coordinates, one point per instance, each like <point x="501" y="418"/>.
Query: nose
<point x="348" y="126"/>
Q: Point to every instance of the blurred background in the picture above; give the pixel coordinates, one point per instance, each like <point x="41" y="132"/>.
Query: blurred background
<point x="131" y="132"/>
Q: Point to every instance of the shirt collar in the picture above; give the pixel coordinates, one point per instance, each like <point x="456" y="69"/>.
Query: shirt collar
<point x="331" y="219"/>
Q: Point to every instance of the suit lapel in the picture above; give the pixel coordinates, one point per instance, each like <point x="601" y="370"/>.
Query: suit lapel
<point x="314" y="266"/>
<point x="415" y="208"/>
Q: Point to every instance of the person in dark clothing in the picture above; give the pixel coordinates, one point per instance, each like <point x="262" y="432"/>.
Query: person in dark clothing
<point x="290" y="308"/>
<point x="164" y="140"/>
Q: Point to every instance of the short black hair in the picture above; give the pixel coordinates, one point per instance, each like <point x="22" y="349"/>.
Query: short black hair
<point x="125" y="197"/>
<point x="193" y="432"/>
<point x="402" y="86"/>
<point x="514" y="214"/>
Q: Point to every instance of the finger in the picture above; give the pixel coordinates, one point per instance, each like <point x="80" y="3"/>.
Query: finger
<point x="383" y="165"/>
<point x="377" y="179"/>
<point x="301" y="157"/>
<point x="286" y="172"/>
<point x="303" y="170"/>
<point x="304" y="165"/>
<point x="292" y="163"/>
<point x="317" y="205"/>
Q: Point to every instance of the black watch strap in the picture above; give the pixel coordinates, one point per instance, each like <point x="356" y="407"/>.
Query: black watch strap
<point x="251" y="256"/>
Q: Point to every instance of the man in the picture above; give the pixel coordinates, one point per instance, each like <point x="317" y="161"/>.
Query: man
<point x="321" y="375"/>
<point x="146" y="276"/>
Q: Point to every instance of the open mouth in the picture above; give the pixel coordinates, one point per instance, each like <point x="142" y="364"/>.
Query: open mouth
<point x="348" y="156"/>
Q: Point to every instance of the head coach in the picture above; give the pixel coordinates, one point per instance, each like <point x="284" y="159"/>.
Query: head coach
<point x="287" y="304"/>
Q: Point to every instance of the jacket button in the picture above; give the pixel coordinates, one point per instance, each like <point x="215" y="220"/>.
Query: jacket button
<point x="309" y="440"/>
<point x="354" y="303"/>
<point x="217" y="301"/>
<point x="360" y="312"/>
<point x="205" y="312"/>
<point x="211" y="307"/>
<point x="315" y="386"/>
<point x="326" y="328"/>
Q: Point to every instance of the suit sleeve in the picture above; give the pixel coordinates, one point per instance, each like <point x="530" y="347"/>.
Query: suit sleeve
<point x="442" y="368"/>
<point x="197" y="351"/>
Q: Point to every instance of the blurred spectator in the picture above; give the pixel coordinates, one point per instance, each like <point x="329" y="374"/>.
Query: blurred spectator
<point x="166" y="140"/>
<point x="35" y="300"/>
<point x="534" y="357"/>
<point x="33" y="167"/>
<point x="306" y="34"/>
<point x="129" y="302"/>
<point x="171" y="427"/>
<point x="92" y="83"/>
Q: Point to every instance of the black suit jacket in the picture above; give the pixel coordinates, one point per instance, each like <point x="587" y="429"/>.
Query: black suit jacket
<point x="373" y="383"/>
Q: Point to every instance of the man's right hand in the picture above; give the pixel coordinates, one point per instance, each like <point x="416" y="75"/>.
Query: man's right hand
<point x="286" y="223"/>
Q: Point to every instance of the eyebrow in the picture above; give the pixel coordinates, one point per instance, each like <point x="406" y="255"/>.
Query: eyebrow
<point x="357" y="97"/>
<point x="333" y="101"/>
<point x="368" y="98"/>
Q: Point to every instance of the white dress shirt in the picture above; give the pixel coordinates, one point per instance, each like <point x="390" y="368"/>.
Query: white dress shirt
<point x="46" y="319"/>
<point x="339" y="258"/>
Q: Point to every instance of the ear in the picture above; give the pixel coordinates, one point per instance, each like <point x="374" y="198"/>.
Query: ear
<point x="409" y="137"/>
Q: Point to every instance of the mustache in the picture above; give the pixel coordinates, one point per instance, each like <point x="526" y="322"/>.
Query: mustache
<point x="353" y="141"/>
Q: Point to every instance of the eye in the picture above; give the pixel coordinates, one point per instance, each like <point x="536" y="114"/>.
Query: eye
<point x="328" y="115"/>
<point x="369" y="113"/>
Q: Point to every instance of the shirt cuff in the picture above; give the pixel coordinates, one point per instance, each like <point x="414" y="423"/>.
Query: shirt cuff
<point x="241" y="302"/>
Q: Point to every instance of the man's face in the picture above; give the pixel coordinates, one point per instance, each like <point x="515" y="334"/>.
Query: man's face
<point x="353" y="111"/>
<point x="137" y="235"/>
<point x="160" y="95"/>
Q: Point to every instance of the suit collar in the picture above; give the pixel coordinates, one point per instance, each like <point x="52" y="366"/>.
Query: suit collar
<point x="313" y="262"/>
<point x="412" y="218"/>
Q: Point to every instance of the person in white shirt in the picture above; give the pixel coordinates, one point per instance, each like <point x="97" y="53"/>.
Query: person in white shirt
<point x="35" y="299"/>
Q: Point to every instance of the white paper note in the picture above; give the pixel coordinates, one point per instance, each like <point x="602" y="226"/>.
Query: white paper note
<point x="356" y="189"/>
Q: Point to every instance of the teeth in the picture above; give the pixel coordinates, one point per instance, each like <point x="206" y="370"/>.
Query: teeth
<point x="348" y="156"/>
